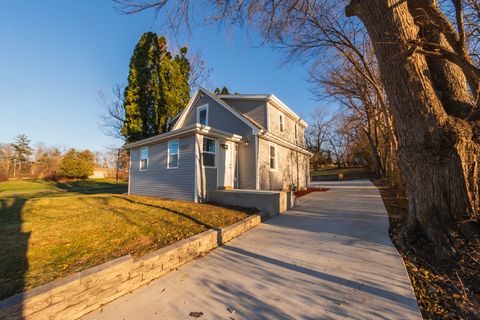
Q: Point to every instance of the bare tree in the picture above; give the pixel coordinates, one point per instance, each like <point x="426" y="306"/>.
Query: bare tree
<point x="6" y="156"/>
<point x="113" y="115"/>
<point x="316" y="136"/>
<point x="429" y="75"/>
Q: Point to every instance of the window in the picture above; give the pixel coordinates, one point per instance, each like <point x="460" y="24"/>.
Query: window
<point x="172" y="154"/>
<point x="296" y="133"/>
<point x="209" y="151"/>
<point x="144" y="159"/>
<point x="273" y="157"/>
<point x="281" y="122"/>
<point x="202" y="115"/>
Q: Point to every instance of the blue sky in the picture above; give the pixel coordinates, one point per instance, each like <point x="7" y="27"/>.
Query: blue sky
<point x="56" y="55"/>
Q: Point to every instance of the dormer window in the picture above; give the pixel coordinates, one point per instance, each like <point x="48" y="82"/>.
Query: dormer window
<point x="281" y="124"/>
<point x="202" y="115"/>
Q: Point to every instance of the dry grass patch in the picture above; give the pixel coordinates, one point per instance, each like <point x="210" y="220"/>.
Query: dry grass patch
<point x="45" y="236"/>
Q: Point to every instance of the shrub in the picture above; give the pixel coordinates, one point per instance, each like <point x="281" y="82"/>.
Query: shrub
<point x="76" y="164"/>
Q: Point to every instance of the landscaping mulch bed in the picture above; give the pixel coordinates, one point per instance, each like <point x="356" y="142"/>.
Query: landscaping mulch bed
<point x="444" y="290"/>
<point x="301" y="193"/>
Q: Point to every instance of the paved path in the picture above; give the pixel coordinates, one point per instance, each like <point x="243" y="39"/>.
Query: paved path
<point x="330" y="258"/>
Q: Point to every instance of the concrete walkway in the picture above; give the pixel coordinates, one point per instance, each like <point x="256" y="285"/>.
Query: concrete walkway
<point x="330" y="258"/>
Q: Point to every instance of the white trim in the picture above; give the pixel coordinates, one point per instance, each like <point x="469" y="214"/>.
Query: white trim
<point x="257" y="174"/>
<point x="140" y="159"/>
<point x="186" y="111"/>
<point x="267" y="110"/>
<point x="222" y="166"/>
<point x="209" y="152"/>
<point x="283" y="106"/>
<point x="236" y="177"/>
<point x="199" y="109"/>
<point x="275" y="161"/>
<point x="168" y="154"/>
<point x="280" y="141"/>
<point x="197" y="159"/>
<point x="194" y="128"/>
<point x="129" y="172"/>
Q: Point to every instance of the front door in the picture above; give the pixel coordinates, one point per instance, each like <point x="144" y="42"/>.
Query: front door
<point x="227" y="166"/>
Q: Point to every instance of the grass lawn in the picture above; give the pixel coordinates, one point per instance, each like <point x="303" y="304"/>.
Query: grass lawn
<point x="47" y="233"/>
<point x="345" y="171"/>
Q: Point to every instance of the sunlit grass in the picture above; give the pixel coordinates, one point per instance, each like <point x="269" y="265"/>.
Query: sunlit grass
<point x="47" y="235"/>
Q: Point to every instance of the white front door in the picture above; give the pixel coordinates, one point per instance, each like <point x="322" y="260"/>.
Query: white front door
<point x="226" y="170"/>
<point x="229" y="173"/>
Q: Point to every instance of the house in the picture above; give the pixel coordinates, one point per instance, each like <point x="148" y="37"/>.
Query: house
<point x="222" y="142"/>
<point x="100" y="173"/>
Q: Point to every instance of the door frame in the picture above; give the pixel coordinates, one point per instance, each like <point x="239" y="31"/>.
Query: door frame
<point x="222" y="163"/>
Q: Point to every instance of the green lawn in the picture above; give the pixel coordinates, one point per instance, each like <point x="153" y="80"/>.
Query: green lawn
<point x="26" y="186"/>
<point x="47" y="233"/>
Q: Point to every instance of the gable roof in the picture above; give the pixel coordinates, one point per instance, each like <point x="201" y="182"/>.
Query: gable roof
<point x="266" y="97"/>
<point x="247" y="120"/>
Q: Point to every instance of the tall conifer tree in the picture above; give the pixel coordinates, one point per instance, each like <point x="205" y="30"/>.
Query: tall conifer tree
<point x="157" y="88"/>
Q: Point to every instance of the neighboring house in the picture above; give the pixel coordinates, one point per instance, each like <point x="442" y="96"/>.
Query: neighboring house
<point x="222" y="142"/>
<point x="100" y="173"/>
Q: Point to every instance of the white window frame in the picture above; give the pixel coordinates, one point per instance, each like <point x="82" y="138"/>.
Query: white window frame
<point x="281" y="122"/>
<point x="215" y="153"/>
<point x="140" y="162"/>
<point x="168" y="154"/>
<point x="199" y="109"/>
<point x="275" y="162"/>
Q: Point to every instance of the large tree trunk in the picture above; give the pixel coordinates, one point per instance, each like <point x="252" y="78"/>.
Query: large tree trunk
<point x="438" y="153"/>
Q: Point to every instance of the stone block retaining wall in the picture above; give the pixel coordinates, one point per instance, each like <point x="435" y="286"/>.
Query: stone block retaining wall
<point x="82" y="292"/>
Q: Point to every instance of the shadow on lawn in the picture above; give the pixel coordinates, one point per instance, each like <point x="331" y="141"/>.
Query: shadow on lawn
<point x="13" y="250"/>
<point x="206" y="225"/>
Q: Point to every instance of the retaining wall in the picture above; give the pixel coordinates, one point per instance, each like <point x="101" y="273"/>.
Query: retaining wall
<point x="271" y="203"/>
<point x="82" y="292"/>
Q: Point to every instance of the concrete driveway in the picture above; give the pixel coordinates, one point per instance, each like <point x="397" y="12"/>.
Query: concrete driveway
<point x="329" y="258"/>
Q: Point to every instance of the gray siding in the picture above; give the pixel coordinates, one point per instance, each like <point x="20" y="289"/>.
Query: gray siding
<point x="221" y="118"/>
<point x="159" y="181"/>
<point x="206" y="176"/>
<point x="254" y="109"/>
<point x="292" y="168"/>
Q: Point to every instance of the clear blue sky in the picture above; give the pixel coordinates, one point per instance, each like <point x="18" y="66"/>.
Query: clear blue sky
<point x="56" y="55"/>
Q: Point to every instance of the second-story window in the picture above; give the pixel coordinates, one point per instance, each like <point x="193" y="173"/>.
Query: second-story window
<point x="202" y="115"/>
<point x="296" y="133"/>
<point x="281" y="120"/>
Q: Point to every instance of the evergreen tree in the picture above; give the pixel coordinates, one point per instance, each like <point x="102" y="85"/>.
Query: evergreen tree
<point x="21" y="151"/>
<point x="224" y="90"/>
<point x="157" y="88"/>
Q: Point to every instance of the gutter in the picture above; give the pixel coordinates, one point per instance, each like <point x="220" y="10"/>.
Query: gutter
<point x="272" y="138"/>
<point x="195" y="128"/>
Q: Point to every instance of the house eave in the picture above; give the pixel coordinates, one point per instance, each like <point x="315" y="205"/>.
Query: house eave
<point x="192" y="129"/>
<point x="273" y="138"/>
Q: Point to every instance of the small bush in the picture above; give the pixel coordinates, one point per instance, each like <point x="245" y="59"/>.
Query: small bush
<point x="76" y="164"/>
